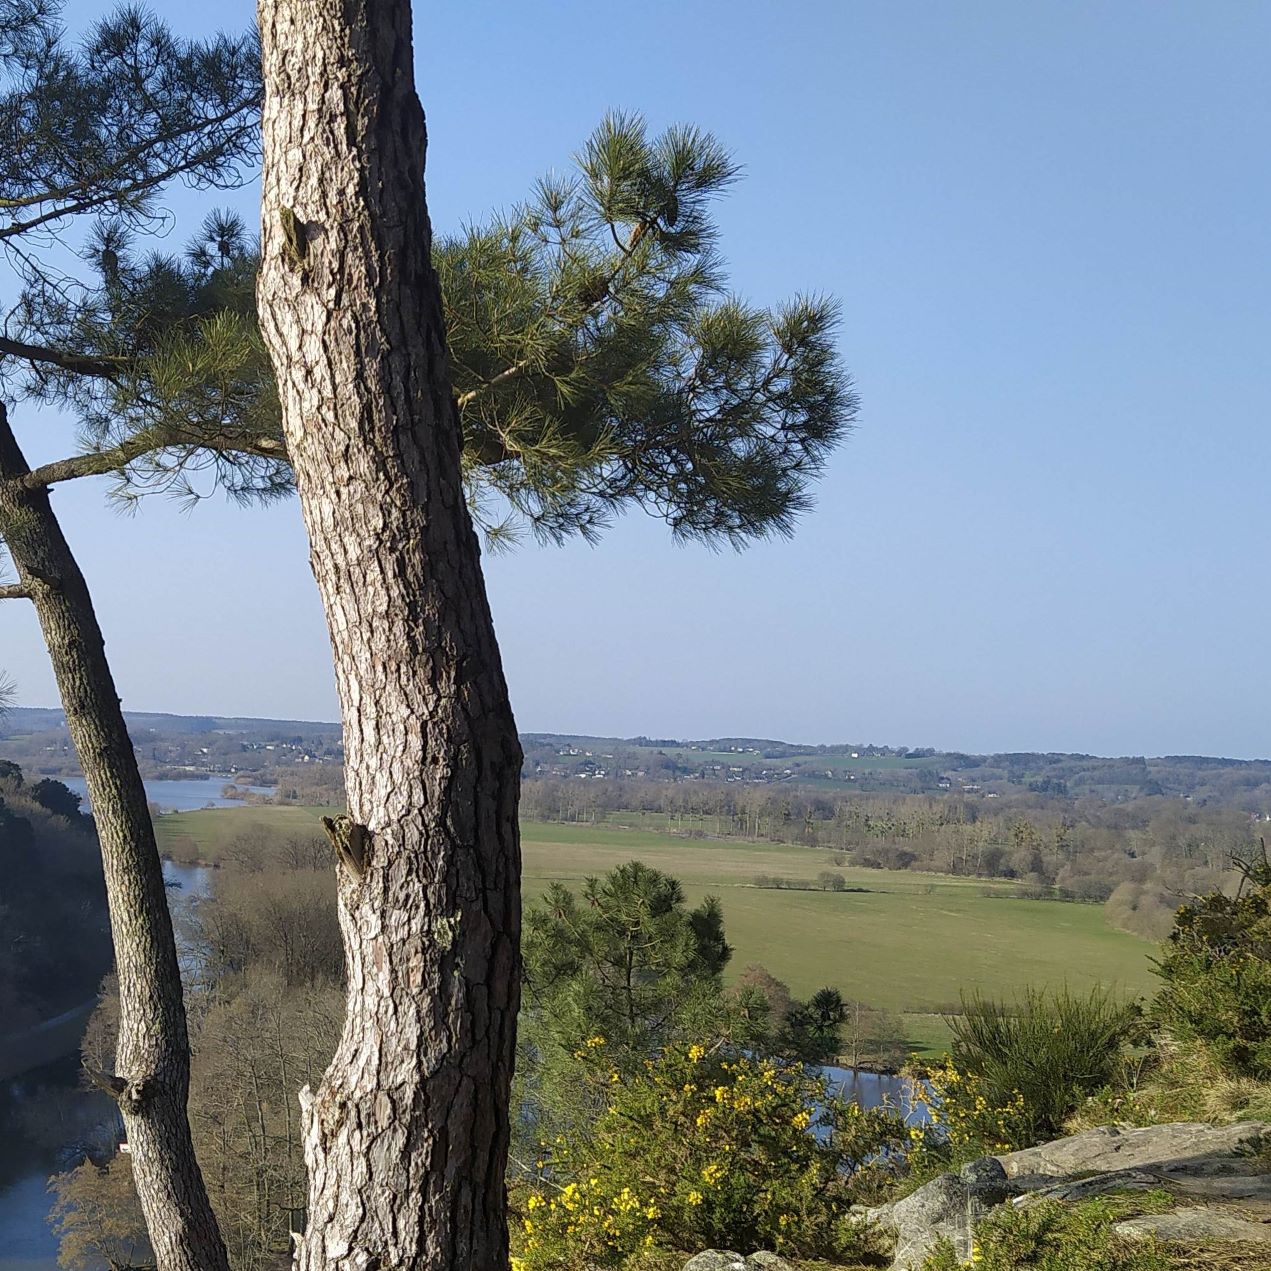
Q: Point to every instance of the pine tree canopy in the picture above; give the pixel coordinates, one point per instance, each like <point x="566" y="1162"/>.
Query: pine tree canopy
<point x="598" y="359"/>
<point x="627" y="958"/>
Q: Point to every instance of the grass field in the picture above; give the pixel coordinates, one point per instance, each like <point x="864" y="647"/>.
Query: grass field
<point x="909" y="942"/>
<point x="206" y="834"/>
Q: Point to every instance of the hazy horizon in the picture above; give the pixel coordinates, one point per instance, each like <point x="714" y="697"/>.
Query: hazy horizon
<point x="659" y="734"/>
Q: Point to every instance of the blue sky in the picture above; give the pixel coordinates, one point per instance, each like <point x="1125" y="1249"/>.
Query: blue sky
<point x="1047" y="225"/>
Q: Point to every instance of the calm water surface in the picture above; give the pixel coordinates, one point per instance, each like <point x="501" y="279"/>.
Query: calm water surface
<point x="875" y="1090"/>
<point x="48" y="1123"/>
<point x="180" y="796"/>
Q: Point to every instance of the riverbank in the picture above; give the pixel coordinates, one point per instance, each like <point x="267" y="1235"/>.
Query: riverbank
<point x="49" y="1121"/>
<point x="48" y="1124"/>
<point x="46" y="1042"/>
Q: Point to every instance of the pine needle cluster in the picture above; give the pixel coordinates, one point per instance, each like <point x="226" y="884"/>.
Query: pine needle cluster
<point x="600" y="362"/>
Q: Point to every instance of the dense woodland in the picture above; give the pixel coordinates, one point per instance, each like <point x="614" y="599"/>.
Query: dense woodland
<point x="50" y="885"/>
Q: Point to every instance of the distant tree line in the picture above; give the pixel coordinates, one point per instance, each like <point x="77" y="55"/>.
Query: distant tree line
<point x="1240" y="783"/>
<point x="1140" y="856"/>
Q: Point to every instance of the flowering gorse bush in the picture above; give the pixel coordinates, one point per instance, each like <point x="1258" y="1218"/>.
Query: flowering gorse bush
<point x="965" y="1122"/>
<point x="698" y="1149"/>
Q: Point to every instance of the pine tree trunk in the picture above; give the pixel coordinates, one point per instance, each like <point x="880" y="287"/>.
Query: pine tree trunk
<point x="406" y="1137"/>
<point x="153" y="1056"/>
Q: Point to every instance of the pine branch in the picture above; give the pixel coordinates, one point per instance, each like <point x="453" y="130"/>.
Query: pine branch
<point x="103" y="368"/>
<point x="519" y="368"/>
<point x="99" y="463"/>
<point x="123" y="162"/>
<point x="91" y="203"/>
<point x="598" y="360"/>
<point x="602" y="291"/>
<point x="14" y="591"/>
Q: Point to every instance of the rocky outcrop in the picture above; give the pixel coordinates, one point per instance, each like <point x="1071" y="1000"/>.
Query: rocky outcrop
<point x="726" y="1260"/>
<point x="1218" y="1173"/>
<point x="1183" y="1145"/>
<point x="947" y="1208"/>
<point x="1196" y="1225"/>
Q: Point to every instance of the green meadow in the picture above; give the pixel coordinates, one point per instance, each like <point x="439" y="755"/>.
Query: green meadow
<point x="908" y="942"/>
<point x="207" y="834"/>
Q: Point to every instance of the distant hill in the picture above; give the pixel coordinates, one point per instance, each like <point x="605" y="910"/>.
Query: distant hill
<point x="261" y="749"/>
<point x="178" y="746"/>
<point x="23" y="719"/>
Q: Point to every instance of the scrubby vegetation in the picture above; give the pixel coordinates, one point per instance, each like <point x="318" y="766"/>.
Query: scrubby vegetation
<point x="1216" y="976"/>
<point x="663" y="1109"/>
<point x="1049" y="1050"/>
<point x="1051" y="1236"/>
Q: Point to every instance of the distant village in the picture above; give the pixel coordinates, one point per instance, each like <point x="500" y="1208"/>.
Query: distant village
<point x="264" y="752"/>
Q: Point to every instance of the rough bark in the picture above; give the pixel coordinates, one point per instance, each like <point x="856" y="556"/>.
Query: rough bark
<point x="152" y="1075"/>
<point x="406" y="1137"/>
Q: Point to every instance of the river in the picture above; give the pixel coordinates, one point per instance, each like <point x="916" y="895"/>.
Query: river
<point x="188" y="795"/>
<point x="874" y="1089"/>
<point x="48" y="1123"/>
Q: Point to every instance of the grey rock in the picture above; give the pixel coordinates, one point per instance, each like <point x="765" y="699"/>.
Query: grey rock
<point x="1204" y="1167"/>
<point x="1194" y="1161"/>
<point x="764" y="1261"/>
<point x="1197" y="1225"/>
<point x="1070" y="1189"/>
<point x="1185" y="1146"/>
<point x="1250" y="1191"/>
<point x="986" y="1184"/>
<point x="938" y="1210"/>
<point x="1033" y="1182"/>
<point x="1255" y="1188"/>
<point x="716" y="1260"/>
<point x="946" y="1208"/>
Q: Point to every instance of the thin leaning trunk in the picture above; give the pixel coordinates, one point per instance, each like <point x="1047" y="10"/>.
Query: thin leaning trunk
<point x="152" y="1077"/>
<point x="406" y="1137"/>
